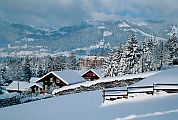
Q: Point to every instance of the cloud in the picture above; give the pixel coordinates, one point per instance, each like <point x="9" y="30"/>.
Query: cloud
<point x="67" y="12"/>
<point x="40" y="12"/>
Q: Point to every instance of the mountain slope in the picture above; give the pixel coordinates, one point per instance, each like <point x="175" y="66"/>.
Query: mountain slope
<point x="76" y="36"/>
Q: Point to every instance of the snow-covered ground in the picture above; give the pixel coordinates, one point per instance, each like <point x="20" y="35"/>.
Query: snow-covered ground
<point x="89" y="106"/>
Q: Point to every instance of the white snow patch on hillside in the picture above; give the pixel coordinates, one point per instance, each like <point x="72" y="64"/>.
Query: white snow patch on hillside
<point x="145" y="34"/>
<point x="173" y="30"/>
<point x="123" y="24"/>
<point x="139" y="23"/>
<point x="101" y="27"/>
<point x="169" y="76"/>
<point x="107" y="33"/>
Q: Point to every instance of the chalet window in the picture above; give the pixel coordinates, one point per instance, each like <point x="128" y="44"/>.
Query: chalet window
<point x="91" y="74"/>
<point x="51" y="79"/>
<point x="57" y="80"/>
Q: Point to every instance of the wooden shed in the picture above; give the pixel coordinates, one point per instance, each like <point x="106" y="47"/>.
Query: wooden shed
<point x="92" y="74"/>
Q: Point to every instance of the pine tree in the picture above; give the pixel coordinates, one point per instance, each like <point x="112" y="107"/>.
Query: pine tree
<point x="2" y="80"/>
<point x="40" y="72"/>
<point x="26" y="69"/>
<point x="72" y="62"/>
<point x="172" y="46"/>
<point x="152" y="63"/>
<point x="110" y="65"/>
<point x="132" y="55"/>
<point x="119" y="59"/>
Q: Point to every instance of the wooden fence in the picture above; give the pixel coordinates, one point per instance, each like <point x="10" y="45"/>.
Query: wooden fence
<point x="124" y="93"/>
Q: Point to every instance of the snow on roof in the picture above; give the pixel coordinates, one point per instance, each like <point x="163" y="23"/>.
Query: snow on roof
<point x="67" y="76"/>
<point x="34" y="79"/>
<point x="14" y="86"/>
<point x="98" y="72"/>
<point x="93" y="57"/>
<point x="70" y="76"/>
<point x="169" y="76"/>
<point x="23" y="85"/>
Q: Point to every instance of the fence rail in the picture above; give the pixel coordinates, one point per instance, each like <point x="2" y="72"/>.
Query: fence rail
<point x="116" y="94"/>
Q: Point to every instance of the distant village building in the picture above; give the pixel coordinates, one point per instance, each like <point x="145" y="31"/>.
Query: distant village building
<point x="91" y="61"/>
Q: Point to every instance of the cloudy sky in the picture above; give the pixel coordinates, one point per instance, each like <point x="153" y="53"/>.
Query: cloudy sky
<point x="67" y="12"/>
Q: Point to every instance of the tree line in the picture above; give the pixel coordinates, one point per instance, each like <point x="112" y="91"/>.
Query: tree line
<point x="23" y="69"/>
<point x="136" y="57"/>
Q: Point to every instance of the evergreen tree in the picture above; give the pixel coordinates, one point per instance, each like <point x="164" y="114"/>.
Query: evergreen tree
<point x="172" y="46"/>
<point x="119" y="59"/>
<point x="48" y="64"/>
<point x="72" y="62"/>
<point x="152" y="63"/>
<point x="40" y="72"/>
<point x="26" y="69"/>
<point x="110" y="65"/>
<point x="132" y="55"/>
<point x="2" y="80"/>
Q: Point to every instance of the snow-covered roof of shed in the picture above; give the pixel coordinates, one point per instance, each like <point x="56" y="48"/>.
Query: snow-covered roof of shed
<point x="67" y="76"/>
<point x="34" y="79"/>
<point x="98" y="72"/>
<point x="14" y="86"/>
<point x="23" y="85"/>
<point x="169" y="76"/>
<point x="93" y="57"/>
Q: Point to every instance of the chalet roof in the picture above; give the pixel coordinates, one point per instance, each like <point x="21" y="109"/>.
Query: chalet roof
<point x="36" y="84"/>
<point x="98" y="72"/>
<point x="67" y="76"/>
<point x="14" y="86"/>
<point x="34" y="79"/>
<point x="23" y="85"/>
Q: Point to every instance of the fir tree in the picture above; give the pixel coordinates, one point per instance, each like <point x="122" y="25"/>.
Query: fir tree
<point x="110" y="65"/>
<point x="26" y="69"/>
<point x="72" y="62"/>
<point x="172" y="46"/>
<point x="132" y="54"/>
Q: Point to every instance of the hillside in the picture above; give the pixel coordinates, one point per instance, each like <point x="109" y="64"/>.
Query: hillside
<point x="19" y="39"/>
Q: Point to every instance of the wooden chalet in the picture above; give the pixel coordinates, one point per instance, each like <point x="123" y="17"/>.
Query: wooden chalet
<point x="58" y="79"/>
<point x="92" y="74"/>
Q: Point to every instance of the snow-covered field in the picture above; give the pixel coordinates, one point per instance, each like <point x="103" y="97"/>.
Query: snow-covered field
<point x="89" y="106"/>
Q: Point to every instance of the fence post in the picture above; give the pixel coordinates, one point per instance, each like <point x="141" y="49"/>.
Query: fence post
<point x="103" y="95"/>
<point x="153" y="88"/>
<point x="127" y="93"/>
